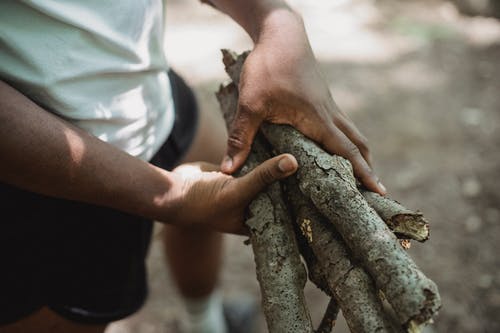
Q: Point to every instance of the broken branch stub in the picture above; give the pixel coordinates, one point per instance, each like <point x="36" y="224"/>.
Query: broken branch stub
<point x="403" y="222"/>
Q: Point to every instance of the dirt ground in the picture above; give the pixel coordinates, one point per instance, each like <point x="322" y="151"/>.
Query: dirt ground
<point x="422" y="83"/>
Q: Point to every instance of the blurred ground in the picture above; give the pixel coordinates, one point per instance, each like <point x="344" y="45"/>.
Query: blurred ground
<point x="423" y="84"/>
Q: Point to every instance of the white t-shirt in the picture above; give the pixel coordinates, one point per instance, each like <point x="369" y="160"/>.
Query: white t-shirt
<point x="96" y="63"/>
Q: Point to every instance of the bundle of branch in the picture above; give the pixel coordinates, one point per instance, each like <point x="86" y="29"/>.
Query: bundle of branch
<point x="342" y="231"/>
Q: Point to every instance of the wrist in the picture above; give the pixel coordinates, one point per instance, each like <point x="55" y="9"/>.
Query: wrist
<point x="259" y="17"/>
<point x="166" y="203"/>
<point x="155" y="196"/>
<point x="274" y="21"/>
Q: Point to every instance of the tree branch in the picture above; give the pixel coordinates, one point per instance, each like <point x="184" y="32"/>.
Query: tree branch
<point x="280" y="272"/>
<point x="328" y="181"/>
<point x="351" y="286"/>
<point x="402" y="221"/>
<point x="329" y="318"/>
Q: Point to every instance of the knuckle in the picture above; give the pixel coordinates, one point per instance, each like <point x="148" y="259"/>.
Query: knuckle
<point x="352" y="151"/>
<point x="266" y="176"/>
<point x="247" y="106"/>
<point x="336" y="118"/>
<point x="241" y="131"/>
<point x="324" y="134"/>
<point x="252" y="105"/>
<point x="237" y="142"/>
<point x="363" y="145"/>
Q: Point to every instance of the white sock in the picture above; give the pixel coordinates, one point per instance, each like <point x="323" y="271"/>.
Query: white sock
<point x="204" y="315"/>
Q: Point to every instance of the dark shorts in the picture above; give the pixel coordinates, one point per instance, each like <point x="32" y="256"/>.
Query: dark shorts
<point x="85" y="262"/>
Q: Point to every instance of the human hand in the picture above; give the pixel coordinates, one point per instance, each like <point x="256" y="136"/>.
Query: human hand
<point x="281" y="83"/>
<point x="201" y="196"/>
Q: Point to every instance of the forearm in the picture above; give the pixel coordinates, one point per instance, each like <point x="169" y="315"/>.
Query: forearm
<point x="44" y="154"/>
<point x="260" y="18"/>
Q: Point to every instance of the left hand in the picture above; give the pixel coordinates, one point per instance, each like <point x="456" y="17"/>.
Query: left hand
<point x="281" y="83"/>
<point x="202" y="197"/>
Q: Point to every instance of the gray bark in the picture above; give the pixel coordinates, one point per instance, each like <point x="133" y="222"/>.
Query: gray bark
<point x="280" y="272"/>
<point x="351" y="286"/>
<point x="328" y="181"/>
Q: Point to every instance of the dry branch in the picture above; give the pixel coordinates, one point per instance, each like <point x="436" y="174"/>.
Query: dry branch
<point x="315" y="271"/>
<point x="402" y="221"/>
<point x="351" y="286"/>
<point x="280" y="272"/>
<point x="329" y="318"/>
<point x="328" y="181"/>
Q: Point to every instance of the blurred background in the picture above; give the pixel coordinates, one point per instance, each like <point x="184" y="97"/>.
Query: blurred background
<point x="421" y="79"/>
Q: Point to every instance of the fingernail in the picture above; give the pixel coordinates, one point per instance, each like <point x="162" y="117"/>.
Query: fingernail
<point x="286" y="165"/>
<point x="227" y="163"/>
<point x="382" y="187"/>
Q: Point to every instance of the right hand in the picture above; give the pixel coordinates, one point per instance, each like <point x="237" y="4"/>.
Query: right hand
<point x="281" y="83"/>
<point x="201" y="196"/>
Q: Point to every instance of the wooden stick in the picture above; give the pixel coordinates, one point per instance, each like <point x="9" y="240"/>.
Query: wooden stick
<point x="280" y="272"/>
<point x="328" y="181"/>
<point x="349" y="283"/>
<point x="403" y="222"/>
<point x="329" y="318"/>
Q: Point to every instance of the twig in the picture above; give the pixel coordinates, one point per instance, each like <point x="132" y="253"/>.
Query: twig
<point x="329" y="318"/>
<point x="403" y="222"/>
<point x="280" y="272"/>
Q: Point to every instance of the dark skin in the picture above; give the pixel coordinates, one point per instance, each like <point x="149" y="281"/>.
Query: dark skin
<point x="74" y="165"/>
<point x="280" y="83"/>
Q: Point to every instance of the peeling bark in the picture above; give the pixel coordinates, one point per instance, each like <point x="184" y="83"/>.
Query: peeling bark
<point x="315" y="271"/>
<point x="403" y="222"/>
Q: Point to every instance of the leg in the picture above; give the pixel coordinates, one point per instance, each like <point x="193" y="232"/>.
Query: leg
<point x="194" y="256"/>
<point x="47" y="321"/>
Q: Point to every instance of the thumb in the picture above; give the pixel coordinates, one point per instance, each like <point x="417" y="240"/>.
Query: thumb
<point x="268" y="172"/>
<point x="241" y="135"/>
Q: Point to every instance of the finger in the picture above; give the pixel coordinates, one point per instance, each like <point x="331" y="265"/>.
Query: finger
<point x="342" y="120"/>
<point x="265" y="174"/>
<point x="345" y="124"/>
<point x="336" y="142"/>
<point x="241" y="134"/>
